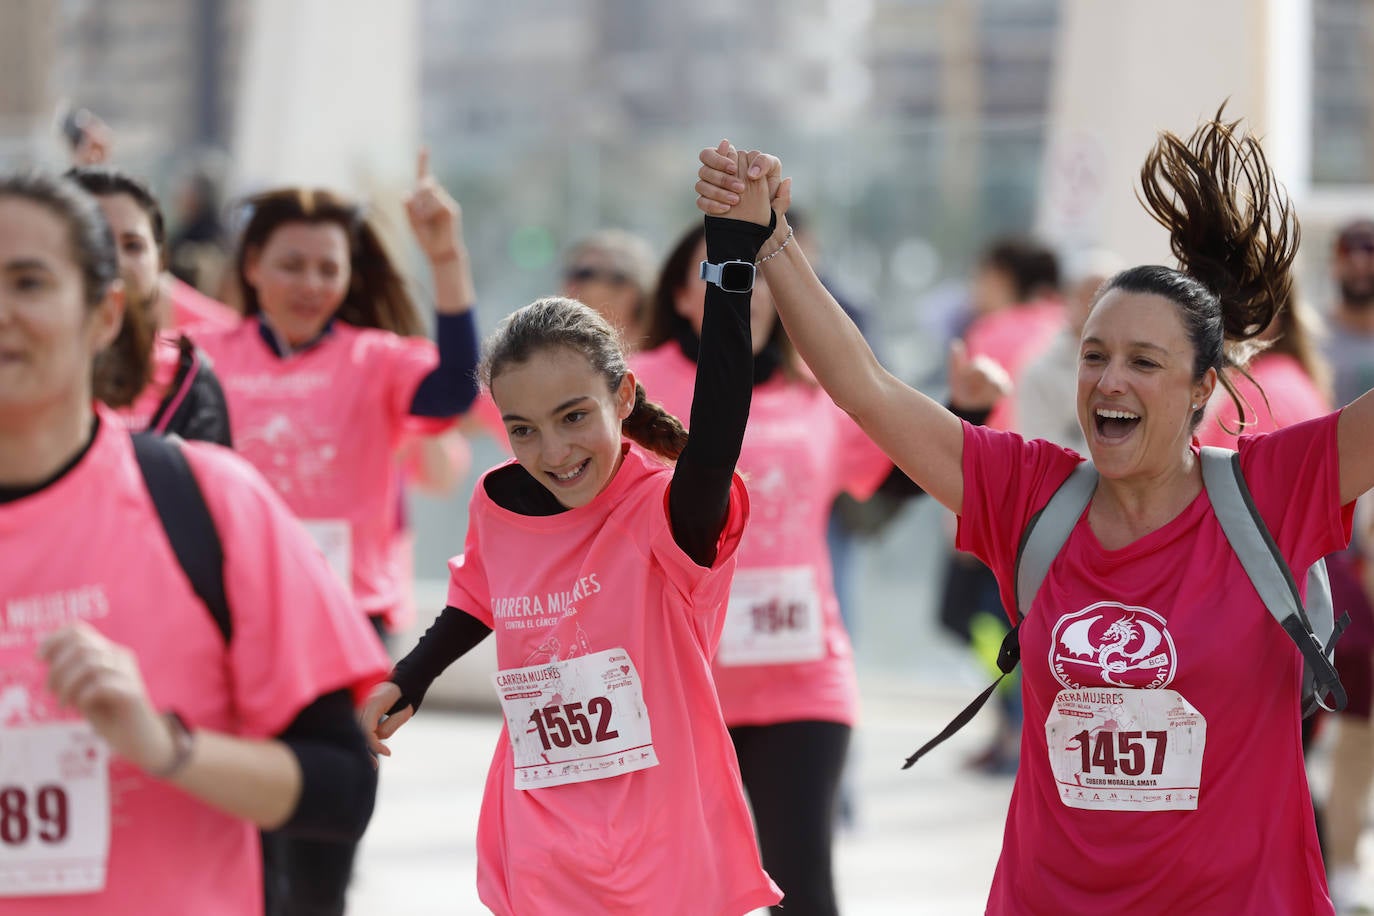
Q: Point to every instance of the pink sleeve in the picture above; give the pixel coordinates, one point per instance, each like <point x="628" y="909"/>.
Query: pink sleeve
<point x="705" y="588"/>
<point x="862" y="466"/>
<point x="1006" y="480"/>
<point x="467" y="577"/>
<point x="297" y="633"/>
<point x="406" y="361"/>
<point x="1294" y="475"/>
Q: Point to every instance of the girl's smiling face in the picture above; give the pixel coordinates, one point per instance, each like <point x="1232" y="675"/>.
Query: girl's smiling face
<point x="564" y="421"/>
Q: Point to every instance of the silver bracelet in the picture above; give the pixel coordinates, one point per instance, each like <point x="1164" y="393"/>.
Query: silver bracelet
<point x="776" y="251"/>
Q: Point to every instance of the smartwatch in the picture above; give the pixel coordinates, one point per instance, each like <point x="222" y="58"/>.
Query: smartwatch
<point x="731" y="276"/>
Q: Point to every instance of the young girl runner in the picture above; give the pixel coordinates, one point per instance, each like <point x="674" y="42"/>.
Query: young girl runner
<point x="604" y="571"/>
<point x="1211" y="710"/>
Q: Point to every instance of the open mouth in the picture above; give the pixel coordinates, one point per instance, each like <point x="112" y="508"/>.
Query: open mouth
<point x="570" y="477"/>
<point x="1115" y="424"/>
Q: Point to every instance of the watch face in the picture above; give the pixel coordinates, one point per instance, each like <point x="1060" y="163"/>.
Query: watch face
<point x="736" y="276"/>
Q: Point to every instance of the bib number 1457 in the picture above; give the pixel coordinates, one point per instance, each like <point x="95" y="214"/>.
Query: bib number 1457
<point x="1125" y="752"/>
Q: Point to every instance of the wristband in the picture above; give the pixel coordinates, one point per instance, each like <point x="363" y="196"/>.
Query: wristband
<point x="183" y="744"/>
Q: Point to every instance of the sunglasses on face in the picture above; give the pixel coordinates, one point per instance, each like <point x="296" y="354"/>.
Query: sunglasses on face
<point x="593" y="274"/>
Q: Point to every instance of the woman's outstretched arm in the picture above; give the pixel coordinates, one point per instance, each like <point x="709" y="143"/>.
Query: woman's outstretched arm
<point x="921" y="437"/>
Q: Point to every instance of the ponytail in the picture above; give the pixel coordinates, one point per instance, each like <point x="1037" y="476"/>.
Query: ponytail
<point x="654" y="428"/>
<point x="1232" y="228"/>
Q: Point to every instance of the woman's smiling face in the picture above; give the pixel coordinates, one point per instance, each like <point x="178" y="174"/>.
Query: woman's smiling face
<point x="1136" y="389"/>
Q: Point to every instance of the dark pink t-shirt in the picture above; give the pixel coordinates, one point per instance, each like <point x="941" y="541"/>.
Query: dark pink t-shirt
<point x="1250" y="846"/>
<point x="90" y="548"/>
<point x="800" y="452"/>
<point x="672" y="837"/>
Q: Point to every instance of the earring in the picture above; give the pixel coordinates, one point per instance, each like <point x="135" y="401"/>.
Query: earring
<point x="1195" y="407"/>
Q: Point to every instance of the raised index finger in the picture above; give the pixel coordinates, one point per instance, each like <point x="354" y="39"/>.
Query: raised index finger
<point x="422" y="164"/>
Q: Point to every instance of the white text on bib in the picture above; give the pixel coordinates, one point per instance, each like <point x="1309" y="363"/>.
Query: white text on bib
<point x="576" y="720"/>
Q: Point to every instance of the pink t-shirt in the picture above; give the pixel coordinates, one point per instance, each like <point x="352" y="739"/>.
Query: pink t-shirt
<point x="194" y="312"/>
<point x="1013" y="337"/>
<point x="1180" y="595"/>
<point x="294" y="638"/>
<point x="323" y="426"/>
<point x="608" y="576"/>
<point x="1292" y="398"/>
<point x="166" y="357"/>
<point x="800" y="452"/>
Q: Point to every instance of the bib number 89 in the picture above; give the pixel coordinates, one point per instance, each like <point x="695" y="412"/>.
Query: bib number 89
<point x="561" y="726"/>
<point x="1125" y="751"/>
<point x="18" y="811"/>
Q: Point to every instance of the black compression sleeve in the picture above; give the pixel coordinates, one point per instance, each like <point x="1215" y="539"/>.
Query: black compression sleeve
<point x="452" y="635"/>
<point x="338" y="779"/>
<point x="700" y="493"/>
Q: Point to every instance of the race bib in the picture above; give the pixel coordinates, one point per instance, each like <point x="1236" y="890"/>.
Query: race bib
<point x="1118" y="749"/>
<point x="576" y="720"/>
<point x="773" y="618"/>
<point x="334" y="537"/>
<point x="54" y="810"/>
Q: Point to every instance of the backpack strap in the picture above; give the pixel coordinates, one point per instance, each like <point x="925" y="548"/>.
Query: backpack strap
<point x="187" y="522"/>
<point x="1264" y="563"/>
<point x="1047" y="532"/>
<point x="1041" y="542"/>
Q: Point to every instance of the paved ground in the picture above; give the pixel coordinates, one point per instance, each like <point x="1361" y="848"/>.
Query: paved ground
<point x="925" y="843"/>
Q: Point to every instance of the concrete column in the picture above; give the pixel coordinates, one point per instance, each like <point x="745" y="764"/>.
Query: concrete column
<point x="28" y="41"/>
<point x="1126" y="70"/>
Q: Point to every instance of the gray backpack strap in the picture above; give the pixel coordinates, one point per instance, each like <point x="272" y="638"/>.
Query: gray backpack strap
<point x="1047" y="531"/>
<point x="1264" y="563"/>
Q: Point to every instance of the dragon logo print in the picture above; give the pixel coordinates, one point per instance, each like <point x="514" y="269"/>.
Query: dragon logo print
<point x="1110" y="644"/>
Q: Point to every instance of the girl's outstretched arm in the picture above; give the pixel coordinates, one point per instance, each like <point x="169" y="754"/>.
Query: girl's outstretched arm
<point x="699" y="496"/>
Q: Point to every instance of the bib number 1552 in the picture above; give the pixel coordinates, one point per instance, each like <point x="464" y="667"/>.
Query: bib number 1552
<point x="566" y="725"/>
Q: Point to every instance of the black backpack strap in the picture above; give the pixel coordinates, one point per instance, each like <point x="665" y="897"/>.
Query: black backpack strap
<point x="1007" y="657"/>
<point x="187" y="522"/>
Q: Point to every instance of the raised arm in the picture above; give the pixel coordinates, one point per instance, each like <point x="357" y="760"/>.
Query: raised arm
<point x="437" y="222"/>
<point x="699" y="497"/>
<point x="921" y="437"/>
<point x="1355" y="445"/>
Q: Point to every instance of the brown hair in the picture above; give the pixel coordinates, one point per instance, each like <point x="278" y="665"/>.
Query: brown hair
<point x="125" y="367"/>
<point x="1232" y="228"/>
<point x="559" y="322"/>
<point x="663" y="323"/>
<point x="377" y="296"/>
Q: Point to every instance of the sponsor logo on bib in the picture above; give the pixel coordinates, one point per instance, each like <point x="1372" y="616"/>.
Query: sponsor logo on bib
<point x="1111" y="643"/>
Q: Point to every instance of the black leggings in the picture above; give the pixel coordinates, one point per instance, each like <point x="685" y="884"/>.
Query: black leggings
<point x="791" y="771"/>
